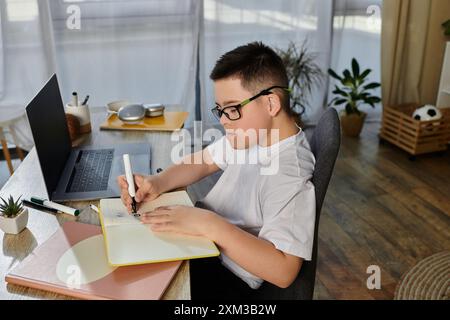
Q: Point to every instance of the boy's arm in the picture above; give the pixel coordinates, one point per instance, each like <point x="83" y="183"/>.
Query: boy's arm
<point x="256" y="255"/>
<point x="193" y="168"/>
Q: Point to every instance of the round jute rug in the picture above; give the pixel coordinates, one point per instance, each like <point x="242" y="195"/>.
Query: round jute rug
<point x="427" y="280"/>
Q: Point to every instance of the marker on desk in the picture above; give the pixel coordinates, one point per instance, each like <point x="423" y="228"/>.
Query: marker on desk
<point x="130" y="181"/>
<point x="37" y="206"/>
<point x="57" y="206"/>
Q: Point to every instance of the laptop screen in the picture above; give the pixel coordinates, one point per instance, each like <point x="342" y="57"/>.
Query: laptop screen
<point x="48" y="125"/>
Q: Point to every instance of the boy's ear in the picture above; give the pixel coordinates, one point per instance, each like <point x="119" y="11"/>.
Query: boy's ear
<point x="274" y="105"/>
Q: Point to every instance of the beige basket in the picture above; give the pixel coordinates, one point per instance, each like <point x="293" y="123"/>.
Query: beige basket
<point x="413" y="136"/>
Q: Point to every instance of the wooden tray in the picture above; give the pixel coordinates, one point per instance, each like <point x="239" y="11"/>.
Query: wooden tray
<point x="170" y="121"/>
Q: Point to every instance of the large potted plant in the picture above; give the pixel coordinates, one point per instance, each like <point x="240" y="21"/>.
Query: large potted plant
<point x="13" y="216"/>
<point x="353" y="92"/>
<point x="303" y="72"/>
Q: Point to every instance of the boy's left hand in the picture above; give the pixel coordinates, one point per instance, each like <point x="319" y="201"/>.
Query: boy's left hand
<point x="181" y="219"/>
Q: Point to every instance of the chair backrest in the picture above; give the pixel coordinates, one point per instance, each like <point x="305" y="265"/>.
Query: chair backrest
<point x="325" y="143"/>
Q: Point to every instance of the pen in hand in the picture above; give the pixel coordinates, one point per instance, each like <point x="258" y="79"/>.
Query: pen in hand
<point x="130" y="181"/>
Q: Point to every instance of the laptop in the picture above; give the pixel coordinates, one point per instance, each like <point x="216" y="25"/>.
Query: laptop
<point x="84" y="173"/>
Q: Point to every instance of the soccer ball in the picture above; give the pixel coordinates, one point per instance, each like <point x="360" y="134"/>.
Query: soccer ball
<point x="427" y="113"/>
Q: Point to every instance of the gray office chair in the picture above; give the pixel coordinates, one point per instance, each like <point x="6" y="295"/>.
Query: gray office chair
<point x="325" y="143"/>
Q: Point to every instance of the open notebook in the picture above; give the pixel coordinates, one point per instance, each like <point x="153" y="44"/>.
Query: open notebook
<point x="129" y="242"/>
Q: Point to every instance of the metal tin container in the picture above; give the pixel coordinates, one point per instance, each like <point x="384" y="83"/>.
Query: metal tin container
<point x="131" y="113"/>
<point x="154" y="110"/>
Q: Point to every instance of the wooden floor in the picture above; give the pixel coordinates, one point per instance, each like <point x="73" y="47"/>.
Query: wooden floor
<point x="380" y="209"/>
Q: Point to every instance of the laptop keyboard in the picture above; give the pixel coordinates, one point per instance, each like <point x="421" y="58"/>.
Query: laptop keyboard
<point x="91" y="171"/>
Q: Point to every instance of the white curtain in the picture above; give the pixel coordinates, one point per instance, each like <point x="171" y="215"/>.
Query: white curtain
<point x="25" y="58"/>
<point x="148" y="50"/>
<point x="230" y="23"/>
<point x="143" y="51"/>
<point x="138" y="50"/>
<point x="357" y="34"/>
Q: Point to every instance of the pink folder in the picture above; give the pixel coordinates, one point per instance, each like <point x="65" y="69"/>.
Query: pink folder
<point x="39" y="271"/>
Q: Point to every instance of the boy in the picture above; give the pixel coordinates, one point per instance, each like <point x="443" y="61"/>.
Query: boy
<point x="262" y="224"/>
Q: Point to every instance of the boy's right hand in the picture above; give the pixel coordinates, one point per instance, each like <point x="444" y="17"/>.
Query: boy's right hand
<point x="147" y="189"/>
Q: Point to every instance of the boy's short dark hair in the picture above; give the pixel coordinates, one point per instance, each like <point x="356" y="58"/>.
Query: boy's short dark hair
<point x="258" y="67"/>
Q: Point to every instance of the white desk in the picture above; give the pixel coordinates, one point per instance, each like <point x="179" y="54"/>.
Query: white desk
<point x="27" y="181"/>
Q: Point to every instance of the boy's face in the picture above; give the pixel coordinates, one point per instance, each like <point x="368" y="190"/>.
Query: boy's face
<point x="244" y="132"/>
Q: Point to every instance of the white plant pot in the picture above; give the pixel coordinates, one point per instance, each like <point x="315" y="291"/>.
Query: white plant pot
<point x="14" y="225"/>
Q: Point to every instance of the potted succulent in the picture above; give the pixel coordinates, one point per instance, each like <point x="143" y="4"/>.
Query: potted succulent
<point x="13" y="216"/>
<point x="353" y="92"/>
<point x="303" y="73"/>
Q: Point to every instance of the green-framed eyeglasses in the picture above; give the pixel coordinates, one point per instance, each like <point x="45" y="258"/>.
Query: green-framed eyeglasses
<point x="233" y="113"/>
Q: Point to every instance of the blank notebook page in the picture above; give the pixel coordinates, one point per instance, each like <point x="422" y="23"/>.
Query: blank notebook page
<point x="129" y="242"/>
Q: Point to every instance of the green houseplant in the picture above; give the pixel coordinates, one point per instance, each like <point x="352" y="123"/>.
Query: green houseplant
<point x="353" y="92"/>
<point x="303" y="72"/>
<point x="13" y="216"/>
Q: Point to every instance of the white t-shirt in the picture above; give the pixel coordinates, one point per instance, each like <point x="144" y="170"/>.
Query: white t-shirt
<point x="270" y="195"/>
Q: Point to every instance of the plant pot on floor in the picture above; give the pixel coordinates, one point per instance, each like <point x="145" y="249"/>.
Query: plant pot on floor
<point x="353" y="93"/>
<point x="14" y="225"/>
<point x="352" y="124"/>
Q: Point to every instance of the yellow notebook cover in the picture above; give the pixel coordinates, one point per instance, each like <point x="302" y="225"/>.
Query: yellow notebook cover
<point x="129" y="242"/>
